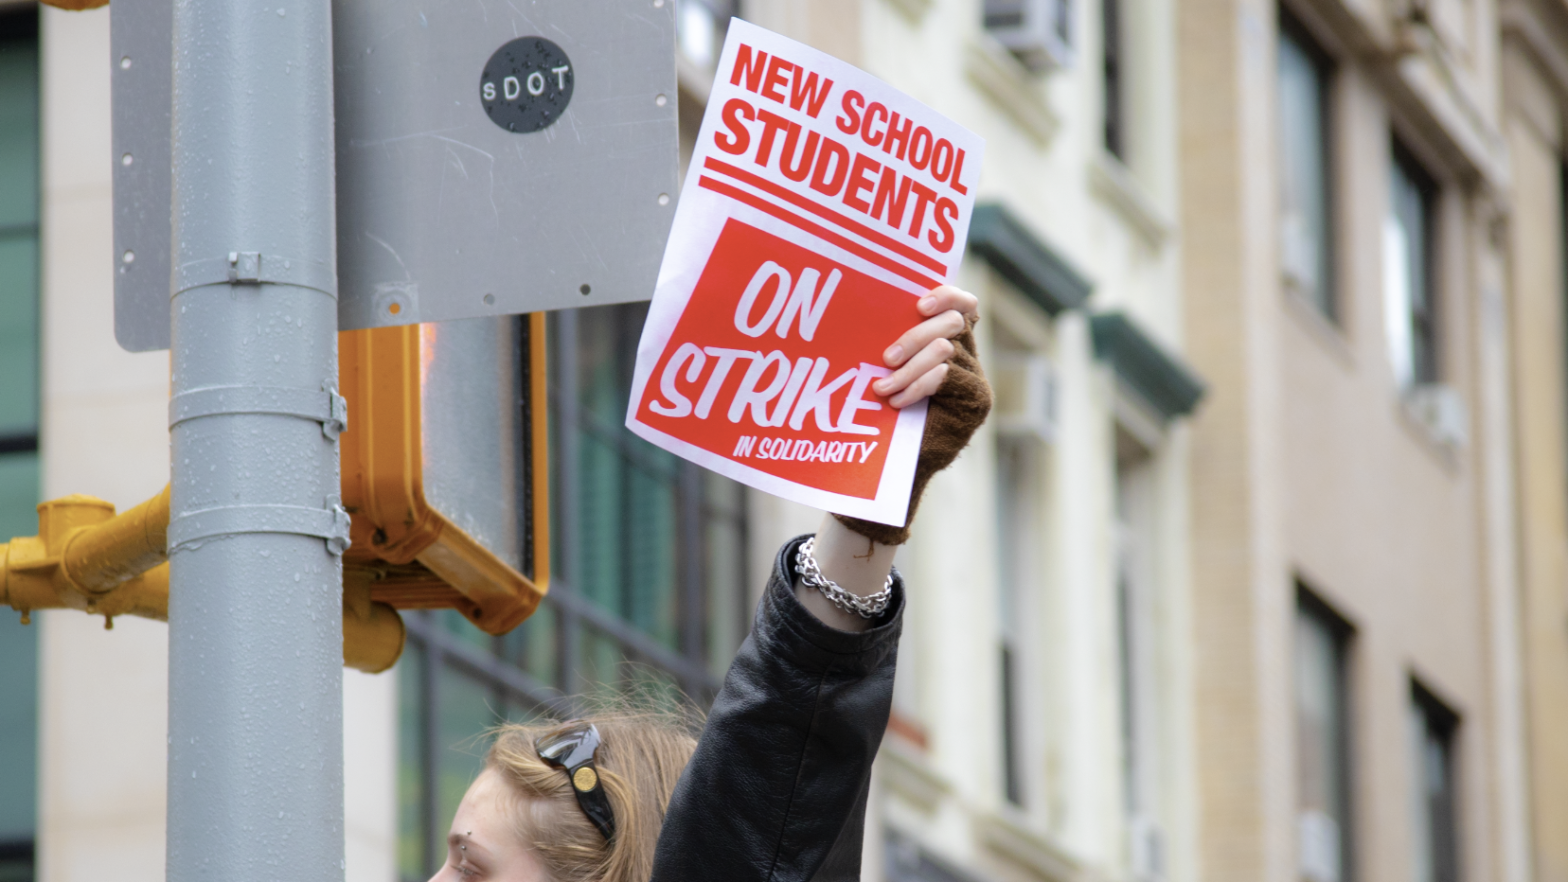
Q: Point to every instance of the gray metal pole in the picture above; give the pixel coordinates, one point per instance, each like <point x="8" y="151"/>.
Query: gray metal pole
<point x="256" y="532"/>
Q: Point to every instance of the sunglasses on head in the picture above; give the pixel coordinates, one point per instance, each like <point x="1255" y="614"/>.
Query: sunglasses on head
<point x="571" y="748"/>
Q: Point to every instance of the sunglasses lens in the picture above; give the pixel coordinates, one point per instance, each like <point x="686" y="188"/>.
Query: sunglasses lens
<point x="569" y="747"/>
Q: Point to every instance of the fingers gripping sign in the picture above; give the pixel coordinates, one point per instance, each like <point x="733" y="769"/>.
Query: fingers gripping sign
<point x="800" y="322"/>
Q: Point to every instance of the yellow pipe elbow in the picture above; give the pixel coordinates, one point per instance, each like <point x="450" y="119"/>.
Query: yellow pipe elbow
<point x="99" y="558"/>
<point x="372" y="640"/>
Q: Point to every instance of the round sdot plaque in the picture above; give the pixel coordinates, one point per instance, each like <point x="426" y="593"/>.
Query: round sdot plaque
<point x="526" y="85"/>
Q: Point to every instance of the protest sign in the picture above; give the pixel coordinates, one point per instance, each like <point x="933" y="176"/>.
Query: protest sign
<point x="819" y="205"/>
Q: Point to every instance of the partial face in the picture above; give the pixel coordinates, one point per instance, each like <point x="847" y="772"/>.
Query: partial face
<point x="483" y="845"/>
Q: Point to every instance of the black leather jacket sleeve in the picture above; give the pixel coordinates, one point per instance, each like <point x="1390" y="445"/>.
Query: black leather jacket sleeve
<point x="776" y="791"/>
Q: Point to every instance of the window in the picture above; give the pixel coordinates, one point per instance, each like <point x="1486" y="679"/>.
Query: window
<point x="1016" y="534"/>
<point x="1434" y="797"/>
<point x="1306" y="203"/>
<point x="18" y="425"/>
<point x="1322" y="742"/>
<point x="1138" y="662"/>
<point x="649" y="591"/>
<point x="1113" y="79"/>
<point x="1410" y="292"/>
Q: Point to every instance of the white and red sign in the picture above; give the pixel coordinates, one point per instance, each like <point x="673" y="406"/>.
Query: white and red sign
<point x="819" y="205"/>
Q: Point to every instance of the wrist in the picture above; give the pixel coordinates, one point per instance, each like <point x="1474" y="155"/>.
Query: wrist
<point x="856" y="564"/>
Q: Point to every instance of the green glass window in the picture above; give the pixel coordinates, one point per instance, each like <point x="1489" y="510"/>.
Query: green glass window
<point x="648" y="590"/>
<point x="18" y="425"/>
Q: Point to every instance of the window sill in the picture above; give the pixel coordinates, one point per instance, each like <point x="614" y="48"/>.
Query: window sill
<point x="907" y="775"/>
<point x="1329" y="335"/>
<point x="914" y="10"/>
<point x="1011" y="87"/>
<point x="1114" y="183"/>
<point x="1009" y="839"/>
<point x="1438" y="418"/>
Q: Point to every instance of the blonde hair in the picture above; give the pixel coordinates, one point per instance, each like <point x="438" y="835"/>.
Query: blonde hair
<point x="641" y="756"/>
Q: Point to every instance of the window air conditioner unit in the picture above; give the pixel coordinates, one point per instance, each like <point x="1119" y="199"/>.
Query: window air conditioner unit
<point x="1039" y="32"/>
<point x="1440" y="409"/>
<point x="1298" y="255"/>
<point x="1024" y="385"/>
<point x="1318" y="840"/>
<point x="1148" y="849"/>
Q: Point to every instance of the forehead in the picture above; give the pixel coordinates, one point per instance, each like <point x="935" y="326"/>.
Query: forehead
<point x="485" y="807"/>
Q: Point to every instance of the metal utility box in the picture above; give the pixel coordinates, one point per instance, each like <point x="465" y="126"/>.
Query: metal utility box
<point x="493" y="158"/>
<point x="501" y="157"/>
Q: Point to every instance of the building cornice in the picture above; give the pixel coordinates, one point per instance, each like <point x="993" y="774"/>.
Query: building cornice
<point x="1160" y="378"/>
<point x="1005" y="241"/>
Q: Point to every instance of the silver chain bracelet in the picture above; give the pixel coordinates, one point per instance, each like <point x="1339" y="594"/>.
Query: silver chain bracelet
<point x="868" y="607"/>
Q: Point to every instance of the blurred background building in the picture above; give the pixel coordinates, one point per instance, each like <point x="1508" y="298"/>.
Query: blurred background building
<point x="1258" y="572"/>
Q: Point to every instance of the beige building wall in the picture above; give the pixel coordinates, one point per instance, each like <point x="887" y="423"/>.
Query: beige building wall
<point x="1312" y="467"/>
<point x="104" y="694"/>
<point x="941" y="776"/>
<point x="1535" y="52"/>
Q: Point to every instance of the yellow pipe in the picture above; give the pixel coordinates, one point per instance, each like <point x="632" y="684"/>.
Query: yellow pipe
<point x="99" y="558"/>
<point x="88" y="558"/>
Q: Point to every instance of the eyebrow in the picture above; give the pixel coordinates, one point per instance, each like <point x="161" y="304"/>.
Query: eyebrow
<point x="458" y="839"/>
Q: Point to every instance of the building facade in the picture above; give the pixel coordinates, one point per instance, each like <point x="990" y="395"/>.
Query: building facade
<point x="1355" y="605"/>
<point x="1257" y="572"/>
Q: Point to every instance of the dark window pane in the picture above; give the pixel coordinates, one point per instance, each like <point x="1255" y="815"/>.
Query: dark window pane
<point x="1408" y="249"/>
<point x="18" y="427"/>
<point x="1306" y="240"/>
<point x="1016" y="532"/>
<point x="18" y="230"/>
<point x="18" y="727"/>
<point x="18" y="119"/>
<point x="1322" y="742"/>
<point x="1113" y="80"/>
<point x="16" y="861"/>
<point x="1434" y="799"/>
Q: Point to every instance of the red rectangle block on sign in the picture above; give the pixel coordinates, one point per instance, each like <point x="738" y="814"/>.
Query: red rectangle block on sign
<point x="771" y="362"/>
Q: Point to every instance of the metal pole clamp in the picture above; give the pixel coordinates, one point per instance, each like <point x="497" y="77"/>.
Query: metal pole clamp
<point x="326" y="407"/>
<point x="330" y="523"/>
<point x="253" y="268"/>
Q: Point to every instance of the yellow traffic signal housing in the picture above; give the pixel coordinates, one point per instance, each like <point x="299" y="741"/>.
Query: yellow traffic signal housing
<point x="446" y="464"/>
<point x="445" y="474"/>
